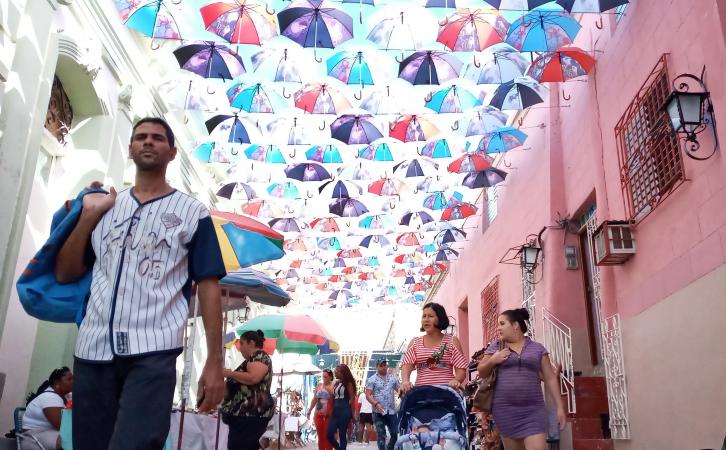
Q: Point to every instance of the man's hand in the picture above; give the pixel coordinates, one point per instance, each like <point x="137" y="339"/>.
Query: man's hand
<point x="379" y="408"/>
<point x="96" y="204"/>
<point x="211" y="387"/>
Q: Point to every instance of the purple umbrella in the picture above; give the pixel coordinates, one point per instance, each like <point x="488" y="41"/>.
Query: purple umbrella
<point x="210" y="60"/>
<point x="429" y="67"/>
<point x="347" y="207"/>
<point x="355" y="129"/>
<point x="307" y="172"/>
<point x="314" y="23"/>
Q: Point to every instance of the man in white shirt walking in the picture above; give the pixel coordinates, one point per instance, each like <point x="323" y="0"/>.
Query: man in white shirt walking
<point x="381" y="389"/>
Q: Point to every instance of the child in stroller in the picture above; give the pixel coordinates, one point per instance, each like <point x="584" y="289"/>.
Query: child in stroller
<point x="432" y="417"/>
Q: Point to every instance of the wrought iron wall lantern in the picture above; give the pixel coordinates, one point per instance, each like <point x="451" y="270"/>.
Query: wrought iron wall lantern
<point x="243" y="314"/>
<point x="527" y="255"/>
<point x="690" y="111"/>
<point x="452" y="326"/>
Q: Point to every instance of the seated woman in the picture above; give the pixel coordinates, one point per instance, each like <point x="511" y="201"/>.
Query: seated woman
<point x="436" y="357"/>
<point x="42" y="417"/>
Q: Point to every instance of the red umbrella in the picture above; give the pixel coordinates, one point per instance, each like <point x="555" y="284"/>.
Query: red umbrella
<point x="351" y="253"/>
<point x="473" y="30"/>
<point x="469" y="163"/>
<point x="412" y="128"/>
<point x="321" y="99"/>
<point x="433" y="269"/>
<point x="408" y="239"/>
<point x="325" y="224"/>
<point x="239" y="21"/>
<point x="459" y="212"/>
<point x="564" y="64"/>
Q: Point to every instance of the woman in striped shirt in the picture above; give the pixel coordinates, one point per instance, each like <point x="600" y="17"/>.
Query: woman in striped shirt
<point x="436" y="357"/>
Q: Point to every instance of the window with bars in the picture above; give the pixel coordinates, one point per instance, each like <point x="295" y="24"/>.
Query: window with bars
<point x="651" y="165"/>
<point x="620" y="12"/>
<point x="490" y="310"/>
<point x="492" y="200"/>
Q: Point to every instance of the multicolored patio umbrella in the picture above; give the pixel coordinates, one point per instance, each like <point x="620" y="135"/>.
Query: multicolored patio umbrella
<point x="210" y="60"/>
<point x="590" y="6"/>
<point x="429" y="67"/>
<point x="459" y="212"/>
<point x="324" y="154"/>
<point x="562" y="65"/>
<point x="452" y="99"/>
<point x="469" y="30"/>
<point x="239" y="21"/>
<point x="286" y="189"/>
<point x="411" y="128"/>
<point x="542" y="30"/>
<point x="287" y="225"/>
<point x="520" y="93"/>
<point x="501" y="140"/>
<point x="245" y="241"/>
<point x="498" y="64"/>
<point x="438" y="148"/>
<point x="237" y="191"/>
<point x="253" y="284"/>
<point x="307" y="172"/>
<point x="231" y="127"/>
<point x="347" y="207"/>
<point x="487" y="178"/>
<point x="292" y="333"/>
<point x="255" y="99"/>
<point x="265" y="153"/>
<point x="376" y="152"/>
<point x="321" y="98"/>
<point x="355" y="129"/>
<point x="486" y="119"/>
<point x="315" y="23"/>
<point x="151" y="18"/>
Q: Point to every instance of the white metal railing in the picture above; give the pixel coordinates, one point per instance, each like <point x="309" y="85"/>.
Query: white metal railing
<point x="611" y="348"/>
<point x="529" y="302"/>
<point x="557" y="338"/>
<point x="612" y="342"/>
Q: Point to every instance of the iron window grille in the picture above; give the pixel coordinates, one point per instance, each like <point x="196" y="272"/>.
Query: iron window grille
<point x="651" y="164"/>
<point x="490" y="310"/>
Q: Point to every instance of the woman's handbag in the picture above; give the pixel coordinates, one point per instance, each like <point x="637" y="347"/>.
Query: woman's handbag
<point x="485" y="392"/>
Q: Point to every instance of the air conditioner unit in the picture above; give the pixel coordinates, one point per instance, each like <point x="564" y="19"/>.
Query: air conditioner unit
<point x="614" y="242"/>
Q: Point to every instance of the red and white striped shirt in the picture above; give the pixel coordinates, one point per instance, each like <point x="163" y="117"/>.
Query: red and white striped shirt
<point x="430" y="371"/>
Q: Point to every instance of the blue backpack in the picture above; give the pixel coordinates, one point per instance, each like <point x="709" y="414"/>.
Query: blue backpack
<point x="40" y="294"/>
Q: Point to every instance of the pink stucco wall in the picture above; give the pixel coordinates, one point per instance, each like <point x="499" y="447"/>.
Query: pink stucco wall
<point x="573" y="161"/>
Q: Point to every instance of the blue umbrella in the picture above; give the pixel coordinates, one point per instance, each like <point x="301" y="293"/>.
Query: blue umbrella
<point x="520" y="93"/>
<point x="350" y="68"/>
<point x="237" y="130"/>
<point x="340" y="189"/>
<point x="438" y="200"/>
<point x="313" y="23"/>
<point x="486" y="119"/>
<point x="324" y="154"/>
<point x="416" y="218"/>
<point x="500" y="63"/>
<point x="355" y="129"/>
<point x="347" y="207"/>
<point x="307" y="172"/>
<point x="376" y="152"/>
<point x="254" y="284"/>
<point x="286" y="190"/>
<point x="255" y="99"/>
<point x="415" y="168"/>
<point x="210" y="152"/>
<point x="542" y="30"/>
<point x="448" y="236"/>
<point x="210" y="60"/>
<point x="377" y="239"/>
<point x="452" y="100"/>
<point x="153" y="18"/>
<point x="371" y="261"/>
<point x="438" y="148"/>
<point x="377" y="222"/>
<point x="501" y="140"/>
<point x="329" y="243"/>
<point x="265" y="153"/>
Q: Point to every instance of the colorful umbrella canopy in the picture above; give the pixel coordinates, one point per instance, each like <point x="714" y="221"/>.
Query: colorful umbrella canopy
<point x="520" y="93"/>
<point x="307" y="172"/>
<point x="501" y="140"/>
<point x="329" y="243"/>
<point x="210" y="60"/>
<point x="562" y="65"/>
<point x="355" y="129"/>
<point x="237" y="191"/>
<point x="286" y="189"/>
<point x="452" y="100"/>
<point x="239" y="21"/>
<point x="292" y="333"/>
<point x="245" y="241"/>
<point x="429" y="67"/>
<point x="253" y="284"/>
<point x="231" y="128"/>
<point x="590" y="6"/>
<point x="411" y="128"/>
<point x="458" y="212"/>
<point x="347" y="207"/>
<point x="189" y="92"/>
<point x="350" y="68"/>
<point x="434" y="269"/>
<point x="449" y="236"/>
<point x="324" y="154"/>
<point x="542" y="31"/>
<point x="316" y="98"/>
<point x="470" y="30"/>
<point x="487" y="178"/>
<point x="438" y="148"/>
<point x="377" y="222"/>
<point x="499" y="64"/>
<point x="376" y="152"/>
<point x="211" y="152"/>
<point x="315" y="23"/>
<point x="255" y="99"/>
<point x="151" y="18"/>
<point x="446" y="254"/>
<point x="440" y="200"/>
<point x="265" y="153"/>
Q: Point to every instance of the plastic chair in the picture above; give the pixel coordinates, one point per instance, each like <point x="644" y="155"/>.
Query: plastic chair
<point x="19" y="434"/>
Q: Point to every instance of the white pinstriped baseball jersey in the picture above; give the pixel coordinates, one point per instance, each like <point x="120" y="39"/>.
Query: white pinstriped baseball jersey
<point x="146" y="256"/>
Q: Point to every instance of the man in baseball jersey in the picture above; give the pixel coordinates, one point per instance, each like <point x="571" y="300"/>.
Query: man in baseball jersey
<point x="145" y="246"/>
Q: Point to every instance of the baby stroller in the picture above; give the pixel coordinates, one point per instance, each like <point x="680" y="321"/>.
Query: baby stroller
<point x="432" y="418"/>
